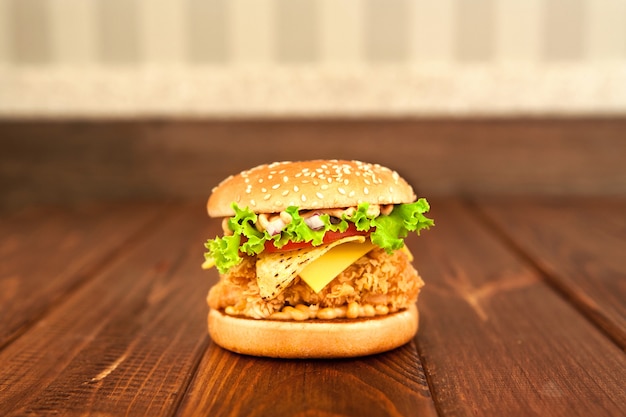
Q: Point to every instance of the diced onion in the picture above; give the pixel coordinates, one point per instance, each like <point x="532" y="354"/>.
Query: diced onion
<point x="314" y="222"/>
<point x="275" y="226"/>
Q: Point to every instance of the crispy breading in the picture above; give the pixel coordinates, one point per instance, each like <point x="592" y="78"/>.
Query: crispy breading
<point x="377" y="279"/>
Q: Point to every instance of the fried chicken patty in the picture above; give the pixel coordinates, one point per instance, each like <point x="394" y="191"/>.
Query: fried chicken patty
<point x="385" y="282"/>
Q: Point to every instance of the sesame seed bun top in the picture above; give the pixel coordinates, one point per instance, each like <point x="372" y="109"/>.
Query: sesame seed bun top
<point x="317" y="184"/>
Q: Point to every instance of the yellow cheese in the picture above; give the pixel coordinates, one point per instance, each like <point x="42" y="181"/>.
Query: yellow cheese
<point x="324" y="269"/>
<point x="276" y="270"/>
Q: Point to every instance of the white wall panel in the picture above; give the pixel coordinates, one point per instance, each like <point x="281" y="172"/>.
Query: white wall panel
<point x="605" y="37"/>
<point x="432" y="31"/>
<point x="5" y="33"/>
<point x="161" y="30"/>
<point x="252" y="34"/>
<point x="518" y="31"/>
<point x="341" y="31"/>
<point x="312" y="57"/>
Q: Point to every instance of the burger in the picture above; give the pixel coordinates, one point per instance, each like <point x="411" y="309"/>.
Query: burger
<point x="312" y="260"/>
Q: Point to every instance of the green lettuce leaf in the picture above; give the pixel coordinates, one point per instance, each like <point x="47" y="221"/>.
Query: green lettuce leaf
<point x="391" y="230"/>
<point x="297" y="231"/>
<point x="388" y="231"/>
<point x="360" y="218"/>
<point x="224" y="251"/>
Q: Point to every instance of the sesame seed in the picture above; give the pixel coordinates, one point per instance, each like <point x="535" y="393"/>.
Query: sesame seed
<point x="319" y="195"/>
<point x="324" y="187"/>
<point x="253" y="202"/>
<point x="346" y="181"/>
<point x="295" y="188"/>
<point x="275" y="186"/>
<point x="367" y="181"/>
<point x="284" y="193"/>
<point x="263" y="189"/>
<point x="269" y="177"/>
<point x="260" y="180"/>
<point x="285" y="178"/>
<point x="315" y="182"/>
<point x="341" y="191"/>
<point x="330" y="180"/>
<point x="351" y="194"/>
<point x="303" y="197"/>
<point x="267" y="197"/>
<point x="365" y="190"/>
<point x="278" y="203"/>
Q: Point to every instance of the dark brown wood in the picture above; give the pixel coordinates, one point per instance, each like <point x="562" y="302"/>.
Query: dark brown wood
<point x="77" y="160"/>
<point x="129" y="340"/>
<point x="495" y="340"/>
<point x="579" y="245"/>
<point x="502" y="332"/>
<point x="124" y="343"/>
<point x="389" y="384"/>
<point x="46" y="253"/>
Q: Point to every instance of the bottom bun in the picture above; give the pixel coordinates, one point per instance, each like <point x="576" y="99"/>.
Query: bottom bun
<point x="338" y="338"/>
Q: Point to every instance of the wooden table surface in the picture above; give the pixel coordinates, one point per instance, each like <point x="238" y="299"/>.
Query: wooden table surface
<point x="102" y="312"/>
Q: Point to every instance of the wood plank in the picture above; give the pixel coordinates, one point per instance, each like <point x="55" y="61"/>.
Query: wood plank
<point x="579" y="245"/>
<point x="76" y="160"/>
<point x="496" y="340"/>
<point x="48" y="252"/>
<point x="125" y="343"/>
<point x="388" y="384"/>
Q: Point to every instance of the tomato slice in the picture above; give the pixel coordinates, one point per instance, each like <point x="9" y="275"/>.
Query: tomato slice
<point x="329" y="237"/>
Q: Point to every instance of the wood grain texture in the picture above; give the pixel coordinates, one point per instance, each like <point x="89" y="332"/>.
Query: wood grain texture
<point x="497" y="336"/>
<point x="46" y="253"/>
<point x="388" y="384"/>
<point x="126" y="342"/>
<point x="67" y="161"/>
<point x="496" y="340"/>
<point x="579" y="245"/>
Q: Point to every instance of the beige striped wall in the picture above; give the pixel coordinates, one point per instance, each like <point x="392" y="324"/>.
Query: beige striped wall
<point x="311" y="57"/>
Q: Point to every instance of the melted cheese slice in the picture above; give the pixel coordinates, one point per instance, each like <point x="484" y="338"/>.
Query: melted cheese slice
<point x="318" y="273"/>
<point x="276" y="270"/>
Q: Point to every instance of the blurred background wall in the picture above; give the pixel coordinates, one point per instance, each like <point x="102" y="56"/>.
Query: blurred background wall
<point x="129" y="58"/>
